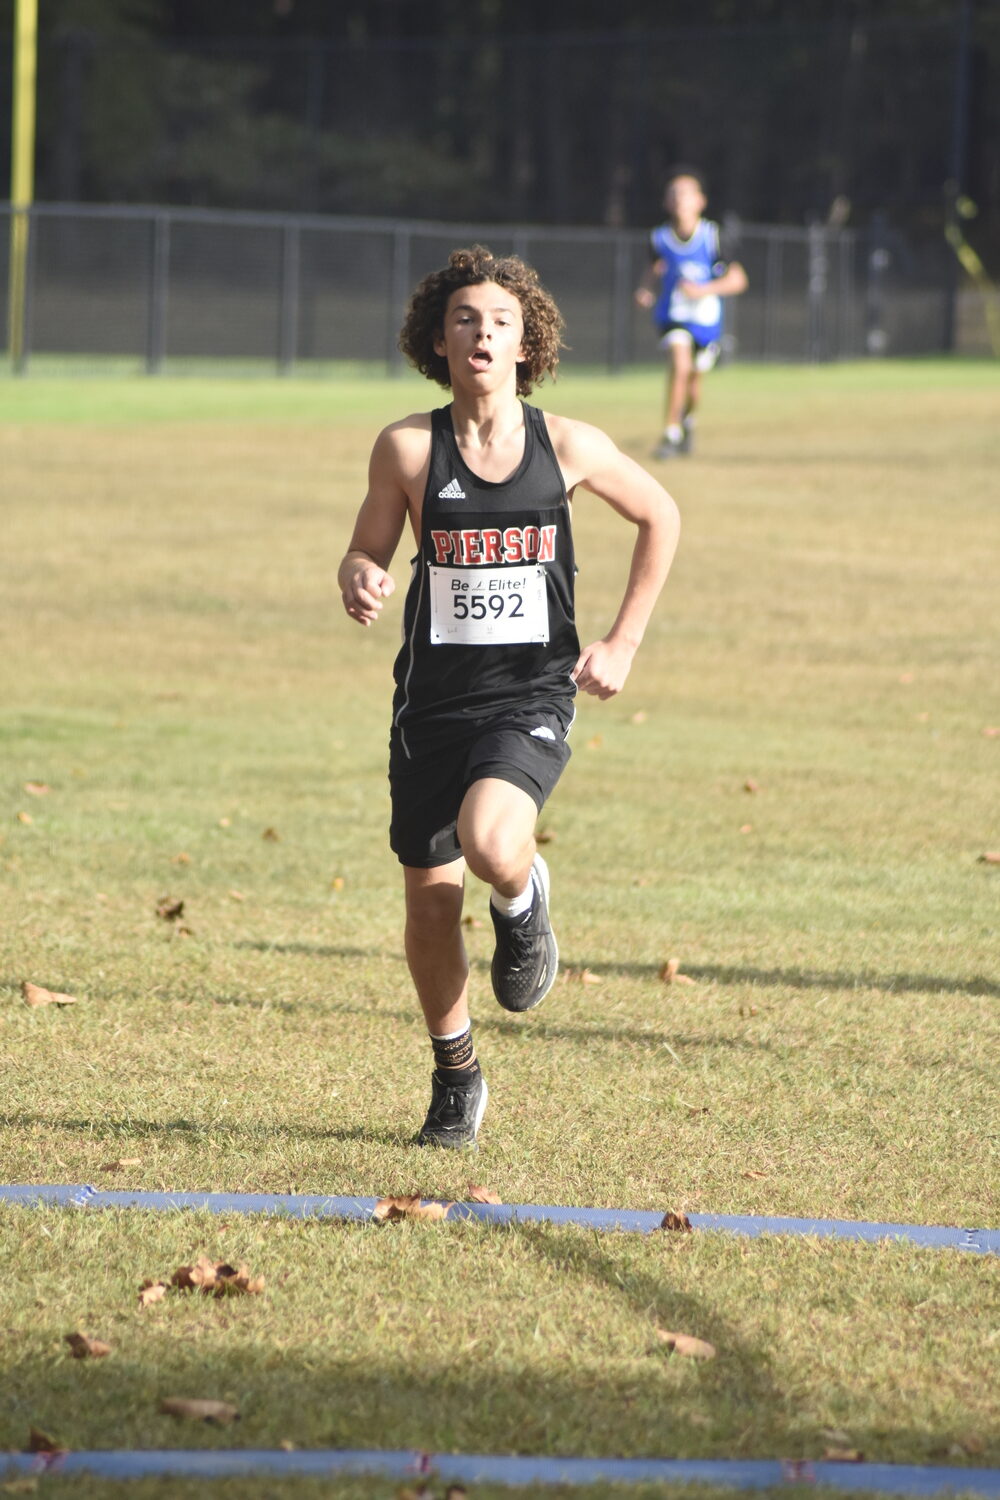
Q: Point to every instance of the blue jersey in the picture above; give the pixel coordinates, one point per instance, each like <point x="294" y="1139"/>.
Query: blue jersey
<point x="696" y="259"/>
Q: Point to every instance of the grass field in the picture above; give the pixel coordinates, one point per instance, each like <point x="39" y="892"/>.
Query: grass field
<point x="792" y="797"/>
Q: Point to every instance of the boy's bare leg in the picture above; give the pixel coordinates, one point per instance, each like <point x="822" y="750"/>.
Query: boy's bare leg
<point x="680" y="374"/>
<point x="690" y="408"/>
<point x="496" y="828"/>
<point x="694" y="393"/>
<point x="680" y="393"/>
<point x="435" y="952"/>
<point x="435" y="949"/>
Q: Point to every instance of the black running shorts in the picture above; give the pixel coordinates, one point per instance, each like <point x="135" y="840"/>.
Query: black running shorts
<point x="428" y="786"/>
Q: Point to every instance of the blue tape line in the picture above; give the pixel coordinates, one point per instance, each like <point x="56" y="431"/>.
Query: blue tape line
<point x="469" y="1468"/>
<point x="930" y="1236"/>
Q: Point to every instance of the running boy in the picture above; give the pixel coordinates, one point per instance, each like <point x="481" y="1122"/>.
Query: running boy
<point x="490" y="660"/>
<point x="692" y="277"/>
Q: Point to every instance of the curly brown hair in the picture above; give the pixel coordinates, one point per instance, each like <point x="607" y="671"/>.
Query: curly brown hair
<point x="543" y="322"/>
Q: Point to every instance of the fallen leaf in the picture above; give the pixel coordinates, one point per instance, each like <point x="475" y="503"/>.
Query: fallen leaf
<point x="152" y="1291"/>
<point x="640" y="717"/>
<point x="746" y="828"/>
<point x="198" y="1409"/>
<point x="671" y="1220"/>
<point x="595" y="742"/>
<point x="271" y="836"/>
<point x="82" y="1347"/>
<point x="168" y="910"/>
<point x="201" y="1273"/>
<point x="225" y="822"/>
<point x="337" y="883"/>
<point x="216" y="1277"/>
<point x="40" y="1442"/>
<point x="750" y="785"/>
<point x="483" y="1195"/>
<point x="757" y="1175"/>
<point x="121" y="1164"/>
<point x="471" y="921"/>
<point x="545" y="836"/>
<point x="237" y="1280"/>
<point x="387" y="1210"/>
<point x="992" y="731"/>
<point x="583" y="976"/>
<point x="748" y="1010"/>
<point x="686" y="1344"/>
<point x="843" y="1456"/>
<point x="180" y="859"/>
<point x="670" y="973"/>
<point x="24" y="817"/>
<point x="236" y="896"/>
<point x="37" y="788"/>
<point x="991" y="857"/>
<point x="35" y="994"/>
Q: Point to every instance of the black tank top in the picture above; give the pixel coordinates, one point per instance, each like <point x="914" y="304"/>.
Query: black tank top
<point x="488" y="623"/>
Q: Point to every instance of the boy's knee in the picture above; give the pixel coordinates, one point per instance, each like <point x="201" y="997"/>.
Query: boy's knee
<point x="493" y="854"/>
<point x="433" y="909"/>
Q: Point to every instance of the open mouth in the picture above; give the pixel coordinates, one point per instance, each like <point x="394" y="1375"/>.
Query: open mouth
<point x="481" y="360"/>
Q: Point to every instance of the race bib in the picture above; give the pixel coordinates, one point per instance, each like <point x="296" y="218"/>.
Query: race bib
<point x="701" y="311"/>
<point x="489" y="606"/>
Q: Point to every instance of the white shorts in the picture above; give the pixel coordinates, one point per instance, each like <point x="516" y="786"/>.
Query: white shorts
<point x="706" y="355"/>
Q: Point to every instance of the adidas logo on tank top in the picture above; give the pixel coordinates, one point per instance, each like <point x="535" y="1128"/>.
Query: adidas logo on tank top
<point x="452" y="491"/>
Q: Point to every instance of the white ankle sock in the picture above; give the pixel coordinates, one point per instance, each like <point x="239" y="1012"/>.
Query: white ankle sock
<point x="674" y="434"/>
<point x="513" y="906"/>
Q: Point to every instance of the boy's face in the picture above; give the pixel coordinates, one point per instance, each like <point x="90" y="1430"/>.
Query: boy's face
<point x="684" y="199"/>
<point x="481" y="336"/>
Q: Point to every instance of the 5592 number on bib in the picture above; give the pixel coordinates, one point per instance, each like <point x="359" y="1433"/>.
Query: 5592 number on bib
<point x="488" y="606"/>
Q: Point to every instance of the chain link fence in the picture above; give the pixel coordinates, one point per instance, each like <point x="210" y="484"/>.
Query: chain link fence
<point x="163" y="284"/>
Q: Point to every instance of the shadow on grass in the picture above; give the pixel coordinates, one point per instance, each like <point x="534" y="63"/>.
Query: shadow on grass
<point x="133" y="1129"/>
<point x="932" y="984"/>
<point x="588" y="1264"/>
<point x="489" y="1019"/>
<point x="495" y="1020"/>
<point x="416" y="1397"/>
<point x="413" y="1396"/>
<point x="312" y="950"/>
<point x="804" y="979"/>
<point x="795" y="978"/>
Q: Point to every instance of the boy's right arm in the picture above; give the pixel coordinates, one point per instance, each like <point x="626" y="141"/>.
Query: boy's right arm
<point x="363" y="574"/>
<point x="645" y="292"/>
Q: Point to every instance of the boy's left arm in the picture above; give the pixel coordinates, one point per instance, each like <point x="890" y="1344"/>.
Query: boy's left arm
<point x="593" y="461"/>
<point x="732" y="283"/>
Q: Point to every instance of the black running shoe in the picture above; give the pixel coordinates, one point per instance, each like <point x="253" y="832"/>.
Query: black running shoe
<point x="526" y="959"/>
<point x="686" y="444"/>
<point x="456" y="1113"/>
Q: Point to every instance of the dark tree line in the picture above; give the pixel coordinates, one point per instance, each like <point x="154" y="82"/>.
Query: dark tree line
<point x="493" y="109"/>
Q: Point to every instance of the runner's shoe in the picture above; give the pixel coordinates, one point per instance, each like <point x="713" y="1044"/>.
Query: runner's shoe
<point x="666" y="448"/>
<point x="686" y="444"/>
<point x="526" y="959"/>
<point x="456" y="1113"/>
